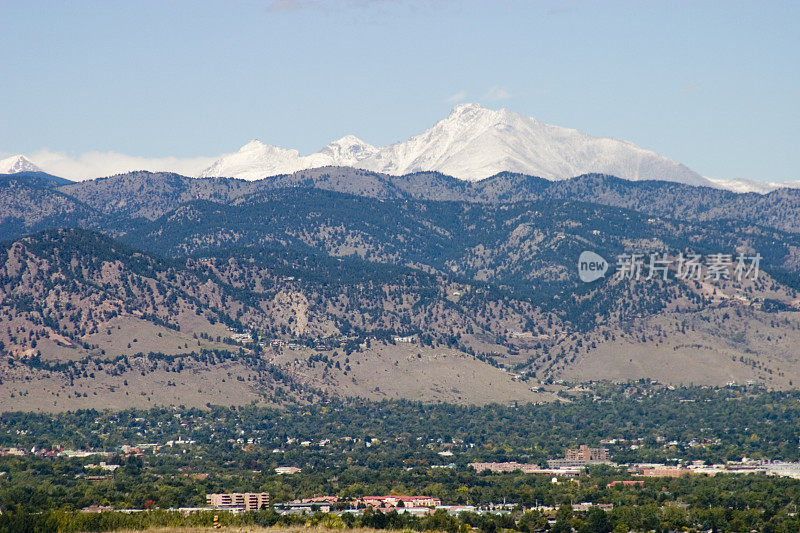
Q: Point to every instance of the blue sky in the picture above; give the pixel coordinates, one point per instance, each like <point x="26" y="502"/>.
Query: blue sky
<point x="714" y="85"/>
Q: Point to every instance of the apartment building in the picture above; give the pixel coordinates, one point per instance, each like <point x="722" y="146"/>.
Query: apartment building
<point x="584" y="453"/>
<point x="247" y="501"/>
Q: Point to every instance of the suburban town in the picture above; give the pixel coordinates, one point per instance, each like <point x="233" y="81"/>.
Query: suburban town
<point x="567" y="469"/>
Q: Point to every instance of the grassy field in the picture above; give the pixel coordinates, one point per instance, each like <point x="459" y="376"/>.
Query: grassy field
<point x="248" y="529"/>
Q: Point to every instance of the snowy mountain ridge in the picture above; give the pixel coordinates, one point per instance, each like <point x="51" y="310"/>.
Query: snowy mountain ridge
<point x="256" y="160"/>
<point x="471" y="143"/>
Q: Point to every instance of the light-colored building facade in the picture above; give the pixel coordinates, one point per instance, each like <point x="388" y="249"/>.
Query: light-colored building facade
<point x="584" y="453"/>
<point x="576" y="458"/>
<point x="395" y="501"/>
<point x="248" y="501"/>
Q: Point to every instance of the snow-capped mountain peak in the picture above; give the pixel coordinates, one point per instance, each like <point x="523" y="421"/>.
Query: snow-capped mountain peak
<point x="474" y="142"/>
<point x="461" y="110"/>
<point x="471" y="143"/>
<point x="256" y="147"/>
<point x="348" y="151"/>
<point x="254" y="144"/>
<point x="255" y="160"/>
<point x="17" y="163"/>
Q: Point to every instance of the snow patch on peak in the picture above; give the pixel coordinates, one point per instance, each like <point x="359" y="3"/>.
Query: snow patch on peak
<point x="257" y="147"/>
<point x="255" y="144"/>
<point x="348" y="151"/>
<point x="17" y="163"/>
<point x="742" y="185"/>
<point x="350" y="143"/>
<point x="349" y="140"/>
<point x="461" y="109"/>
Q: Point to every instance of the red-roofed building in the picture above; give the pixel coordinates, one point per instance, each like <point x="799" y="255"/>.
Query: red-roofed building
<point x="626" y="483"/>
<point x="383" y="502"/>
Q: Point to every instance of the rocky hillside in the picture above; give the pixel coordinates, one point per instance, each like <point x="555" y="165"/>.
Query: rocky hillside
<point x="73" y="299"/>
<point x="347" y="282"/>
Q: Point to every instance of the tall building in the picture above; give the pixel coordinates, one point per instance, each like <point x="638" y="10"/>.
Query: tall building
<point x="247" y="501"/>
<point x="584" y="453"/>
<point x="580" y="457"/>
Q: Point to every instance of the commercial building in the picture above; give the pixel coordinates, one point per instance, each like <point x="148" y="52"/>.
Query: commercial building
<point x="399" y="501"/>
<point x="660" y="471"/>
<point x="527" y="468"/>
<point x="301" y="508"/>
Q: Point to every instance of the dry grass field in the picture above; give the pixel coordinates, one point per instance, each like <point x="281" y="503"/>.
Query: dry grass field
<point x="411" y="371"/>
<point x="247" y="529"/>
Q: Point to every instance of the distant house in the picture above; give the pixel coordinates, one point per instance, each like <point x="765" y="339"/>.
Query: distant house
<point x="318" y="499"/>
<point x="661" y="471"/>
<point x="286" y="470"/>
<point x="625" y="483"/>
<point x="585" y="506"/>
<point x="456" y="509"/>
<point x="97" y="509"/>
<point x="102" y="466"/>
<point x="242" y="337"/>
<point x="12" y="451"/>
<point x="301" y="508"/>
<point x="525" y="468"/>
<point x="509" y="466"/>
